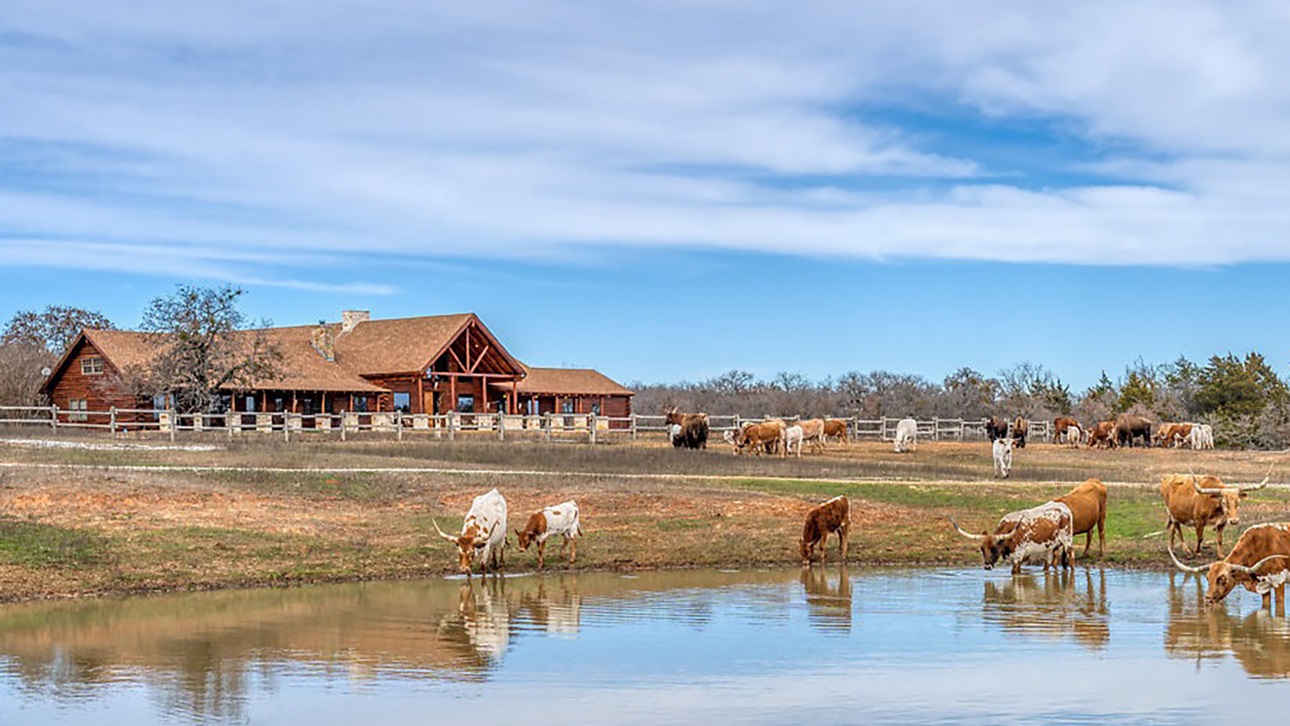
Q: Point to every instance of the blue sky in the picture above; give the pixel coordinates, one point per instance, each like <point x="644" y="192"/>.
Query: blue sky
<point x="670" y="190"/>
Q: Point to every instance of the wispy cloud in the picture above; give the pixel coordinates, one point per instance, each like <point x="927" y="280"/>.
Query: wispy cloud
<point x="232" y="139"/>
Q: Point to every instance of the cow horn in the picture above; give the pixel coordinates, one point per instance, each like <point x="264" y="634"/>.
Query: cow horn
<point x="1181" y="566"/>
<point x="1252" y="569"/>
<point x="1195" y="482"/>
<point x="969" y="535"/>
<point x="1260" y="485"/>
<point x="448" y="537"/>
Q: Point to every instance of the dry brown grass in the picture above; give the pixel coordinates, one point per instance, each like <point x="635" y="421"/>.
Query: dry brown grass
<point x="162" y="528"/>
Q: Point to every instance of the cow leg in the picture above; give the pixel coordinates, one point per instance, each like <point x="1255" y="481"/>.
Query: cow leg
<point x="541" y="548"/>
<point x="1281" y="600"/>
<point x="824" y="547"/>
<point x="1088" y="542"/>
<point x="1267" y="600"/>
<point x="1219" y="546"/>
<point x="843" y="533"/>
<point x="573" y="549"/>
<point x="1200" y="536"/>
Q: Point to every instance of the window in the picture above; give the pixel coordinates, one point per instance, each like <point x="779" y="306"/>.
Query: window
<point x="465" y="404"/>
<point x="360" y="404"/>
<point x="248" y="404"/>
<point x="78" y="404"/>
<point x="566" y="406"/>
<point x="92" y="366"/>
<point x="595" y="408"/>
<point x="403" y="402"/>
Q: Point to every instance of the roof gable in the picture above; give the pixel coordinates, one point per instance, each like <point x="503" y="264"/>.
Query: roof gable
<point x="412" y="345"/>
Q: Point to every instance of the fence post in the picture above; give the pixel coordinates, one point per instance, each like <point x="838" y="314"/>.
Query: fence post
<point x="174" y="424"/>
<point x="286" y="426"/>
<point x="398" y="424"/>
<point x="53" y="420"/>
<point x="342" y="425"/>
<point x="112" y="420"/>
<point x="501" y="425"/>
<point x="452" y="425"/>
<point x="633" y="424"/>
<point x="546" y="427"/>
<point x="591" y="422"/>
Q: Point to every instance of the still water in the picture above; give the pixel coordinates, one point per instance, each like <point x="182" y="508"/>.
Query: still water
<point x="819" y="646"/>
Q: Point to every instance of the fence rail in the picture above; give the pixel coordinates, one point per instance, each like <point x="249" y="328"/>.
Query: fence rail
<point x="582" y="427"/>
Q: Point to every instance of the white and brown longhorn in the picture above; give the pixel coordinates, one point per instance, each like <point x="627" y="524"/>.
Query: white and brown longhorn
<point x="1256" y="547"/>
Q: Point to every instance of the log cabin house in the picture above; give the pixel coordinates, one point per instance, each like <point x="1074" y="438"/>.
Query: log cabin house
<point x="432" y="364"/>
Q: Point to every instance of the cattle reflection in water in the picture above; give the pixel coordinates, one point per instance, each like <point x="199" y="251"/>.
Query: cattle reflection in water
<point x="1260" y="641"/>
<point x="1052" y="605"/>
<point x="828" y="597"/>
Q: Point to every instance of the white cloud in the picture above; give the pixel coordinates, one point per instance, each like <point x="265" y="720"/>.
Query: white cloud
<point x="219" y="137"/>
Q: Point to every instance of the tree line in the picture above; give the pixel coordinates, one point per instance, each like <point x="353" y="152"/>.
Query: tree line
<point x="205" y="345"/>
<point x="1241" y="396"/>
<point x="208" y="345"/>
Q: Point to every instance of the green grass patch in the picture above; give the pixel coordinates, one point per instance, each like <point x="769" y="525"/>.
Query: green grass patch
<point x="32" y="544"/>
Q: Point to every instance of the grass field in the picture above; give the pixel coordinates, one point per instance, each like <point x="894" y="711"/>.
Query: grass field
<point x="77" y="522"/>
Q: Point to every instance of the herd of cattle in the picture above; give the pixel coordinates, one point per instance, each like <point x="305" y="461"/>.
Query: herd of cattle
<point x="774" y="435"/>
<point x="1045" y="534"/>
<point x="1259" y="561"/>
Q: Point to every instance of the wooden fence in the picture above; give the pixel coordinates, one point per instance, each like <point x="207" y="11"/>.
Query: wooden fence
<point x="546" y="427"/>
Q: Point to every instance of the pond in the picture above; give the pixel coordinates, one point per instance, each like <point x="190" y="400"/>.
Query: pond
<point x="824" y="645"/>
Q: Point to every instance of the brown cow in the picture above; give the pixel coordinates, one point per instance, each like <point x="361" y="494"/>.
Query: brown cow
<point x="1061" y="426"/>
<point x="1088" y="511"/>
<point x="1131" y="427"/>
<point x="1100" y="435"/>
<point x="836" y="428"/>
<point x="1021" y="536"/>
<point x="1020" y="427"/>
<point x="694" y="429"/>
<point x="1171" y="434"/>
<point x="831" y="516"/>
<point x="995" y="427"/>
<point x="758" y="437"/>
<point x="1259" y="545"/>
<point x="1202" y="501"/>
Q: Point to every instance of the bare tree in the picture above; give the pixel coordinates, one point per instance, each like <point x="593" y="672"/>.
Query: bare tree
<point x="22" y="371"/>
<point x="205" y="346"/>
<point x="53" y="328"/>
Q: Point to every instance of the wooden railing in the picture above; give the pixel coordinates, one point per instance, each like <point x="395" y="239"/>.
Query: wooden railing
<point x="548" y="427"/>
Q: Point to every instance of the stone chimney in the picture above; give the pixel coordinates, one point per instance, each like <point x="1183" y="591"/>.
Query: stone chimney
<point x="324" y="341"/>
<point x="349" y="319"/>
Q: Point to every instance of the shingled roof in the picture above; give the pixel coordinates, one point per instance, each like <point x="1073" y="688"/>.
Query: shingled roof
<point x="566" y="381"/>
<point x="369" y="348"/>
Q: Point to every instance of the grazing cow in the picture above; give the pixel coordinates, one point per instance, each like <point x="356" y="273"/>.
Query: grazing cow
<point x="759" y="437"/>
<point x="1042" y="531"/>
<point x="483" y="533"/>
<point x="562" y="519"/>
<point x="1262" y="544"/>
<point x="906" y="435"/>
<point x="813" y="432"/>
<point x="1020" y="428"/>
<point x="1087" y="503"/>
<point x="694" y="428"/>
<point x="1130" y="427"/>
<point x="793" y="438"/>
<point x="995" y="427"/>
<point x="1002" y="452"/>
<point x="836" y="428"/>
<point x="1202" y="501"/>
<point x="1100" y="435"/>
<point x="1062" y="426"/>
<point x="831" y="516"/>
